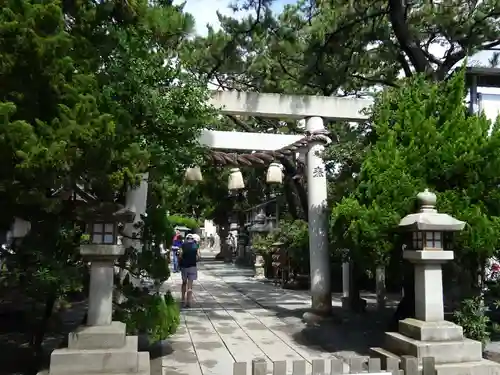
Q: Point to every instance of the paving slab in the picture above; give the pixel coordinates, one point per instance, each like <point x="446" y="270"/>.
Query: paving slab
<point x="241" y="346"/>
<point x="183" y="360"/>
<point x="213" y="355"/>
<point x="235" y="318"/>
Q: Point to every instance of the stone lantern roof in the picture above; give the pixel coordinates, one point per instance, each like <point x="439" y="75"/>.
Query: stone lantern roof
<point x="429" y="219"/>
<point x="106" y="212"/>
<point x="88" y="207"/>
<point x="260" y="218"/>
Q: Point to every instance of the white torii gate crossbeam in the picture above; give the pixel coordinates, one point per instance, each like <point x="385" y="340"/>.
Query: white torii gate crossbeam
<point x="290" y="106"/>
<point x="246" y="141"/>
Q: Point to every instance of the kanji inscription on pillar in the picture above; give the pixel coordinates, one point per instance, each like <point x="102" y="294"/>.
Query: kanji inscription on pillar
<point x="318" y="172"/>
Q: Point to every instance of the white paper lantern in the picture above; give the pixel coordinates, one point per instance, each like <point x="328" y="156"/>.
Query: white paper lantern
<point x="235" y="181"/>
<point x="20" y="228"/>
<point x="193" y="174"/>
<point x="274" y="174"/>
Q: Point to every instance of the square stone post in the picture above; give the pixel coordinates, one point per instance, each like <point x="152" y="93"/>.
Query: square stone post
<point x="345" y="279"/>
<point x="102" y="260"/>
<point x="380" y="287"/>
<point x="429" y="297"/>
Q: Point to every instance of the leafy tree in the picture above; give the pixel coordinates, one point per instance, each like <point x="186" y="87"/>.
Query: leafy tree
<point x="52" y="134"/>
<point x="87" y="99"/>
<point x="425" y="139"/>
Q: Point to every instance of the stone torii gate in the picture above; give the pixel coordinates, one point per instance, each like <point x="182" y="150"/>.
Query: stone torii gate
<point x="267" y="147"/>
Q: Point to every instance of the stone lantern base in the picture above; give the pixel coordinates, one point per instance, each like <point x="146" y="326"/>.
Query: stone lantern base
<point x="102" y="350"/>
<point x="454" y="354"/>
<point x="259" y="267"/>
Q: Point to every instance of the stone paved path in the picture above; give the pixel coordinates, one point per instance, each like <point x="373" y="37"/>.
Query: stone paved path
<point x="236" y="319"/>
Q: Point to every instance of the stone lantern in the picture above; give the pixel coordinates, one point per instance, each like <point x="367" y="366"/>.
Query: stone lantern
<point x="101" y="346"/>
<point x="103" y="250"/>
<point x="259" y="227"/>
<point x="428" y="234"/>
<point x="428" y="245"/>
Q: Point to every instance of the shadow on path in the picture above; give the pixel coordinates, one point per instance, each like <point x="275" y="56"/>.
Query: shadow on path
<point x="345" y="334"/>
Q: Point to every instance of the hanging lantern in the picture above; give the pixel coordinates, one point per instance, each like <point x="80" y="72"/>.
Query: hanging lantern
<point x="235" y="180"/>
<point x="193" y="174"/>
<point x="274" y="174"/>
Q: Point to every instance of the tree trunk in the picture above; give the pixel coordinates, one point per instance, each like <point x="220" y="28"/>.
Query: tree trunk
<point x="406" y="307"/>
<point x="290" y="198"/>
<point x="296" y="185"/>
<point x="225" y="251"/>
<point x="40" y="330"/>
<point x="356" y="303"/>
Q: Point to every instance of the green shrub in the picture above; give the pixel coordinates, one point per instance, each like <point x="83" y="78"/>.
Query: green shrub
<point x="177" y="220"/>
<point x="471" y="316"/>
<point x="294" y="237"/>
<point x="156" y="316"/>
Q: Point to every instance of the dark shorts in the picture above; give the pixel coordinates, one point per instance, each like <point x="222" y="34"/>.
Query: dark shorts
<point x="189" y="273"/>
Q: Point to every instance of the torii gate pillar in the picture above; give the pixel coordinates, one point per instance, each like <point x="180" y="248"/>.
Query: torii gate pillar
<point x="319" y="256"/>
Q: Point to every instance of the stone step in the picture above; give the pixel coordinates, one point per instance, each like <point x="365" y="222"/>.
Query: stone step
<point x="96" y="361"/>
<point x="443" y="351"/>
<point x="431" y="331"/>
<point x="483" y="367"/>
<point x="143" y="368"/>
<point x="383" y="355"/>
<point x="98" y="337"/>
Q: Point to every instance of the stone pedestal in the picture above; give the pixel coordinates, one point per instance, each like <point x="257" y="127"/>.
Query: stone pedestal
<point x="102" y="347"/>
<point x="259" y="267"/>
<point x="454" y="354"/>
<point x="429" y="335"/>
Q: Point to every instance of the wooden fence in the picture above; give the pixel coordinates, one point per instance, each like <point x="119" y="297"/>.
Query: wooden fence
<point x="357" y="365"/>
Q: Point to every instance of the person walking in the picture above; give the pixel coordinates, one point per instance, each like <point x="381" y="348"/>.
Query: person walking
<point x="189" y="256"/>
<point x="176" y="245"/>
